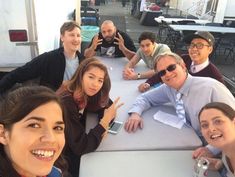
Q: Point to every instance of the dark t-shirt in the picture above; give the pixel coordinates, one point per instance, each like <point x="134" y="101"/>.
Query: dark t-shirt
<point x="111" y="49"/>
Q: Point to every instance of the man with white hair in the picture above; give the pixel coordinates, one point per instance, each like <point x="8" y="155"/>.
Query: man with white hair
<point x="188" y="94"/>
<point x="111" y="42"/>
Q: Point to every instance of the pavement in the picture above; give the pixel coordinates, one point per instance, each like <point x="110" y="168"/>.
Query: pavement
<point x="114" y="10"/>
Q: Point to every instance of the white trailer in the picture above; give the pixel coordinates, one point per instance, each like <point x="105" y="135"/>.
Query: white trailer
<point x="29" y="28"/>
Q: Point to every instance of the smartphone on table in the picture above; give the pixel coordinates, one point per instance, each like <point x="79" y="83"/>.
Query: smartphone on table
<point x="114" y="127"/>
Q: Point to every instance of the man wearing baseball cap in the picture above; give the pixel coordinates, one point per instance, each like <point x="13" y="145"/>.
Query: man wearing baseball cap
<point x="200" y="46"/>
<point x="202" y="35"/>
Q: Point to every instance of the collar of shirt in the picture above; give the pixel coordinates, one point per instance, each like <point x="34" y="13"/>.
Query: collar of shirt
<point x="154" y="49"/>
<point x="184" y="90"/>
<point x="199" y="67"/>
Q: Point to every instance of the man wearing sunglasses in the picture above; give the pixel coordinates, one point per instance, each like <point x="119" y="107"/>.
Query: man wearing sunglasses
<point x="173" y="73"/>
<point x="200" y="46"/>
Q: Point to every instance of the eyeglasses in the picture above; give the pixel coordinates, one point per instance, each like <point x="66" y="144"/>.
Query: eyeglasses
<point x="170" y="68"/>
<point x="198" y="45"/>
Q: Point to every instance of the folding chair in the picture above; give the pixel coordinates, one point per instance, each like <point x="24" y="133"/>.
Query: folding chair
<point x="162" y="31"/>
<point x="227" y="45"/>
<point x="174" y="39"/>
<point x="186" y="22"/>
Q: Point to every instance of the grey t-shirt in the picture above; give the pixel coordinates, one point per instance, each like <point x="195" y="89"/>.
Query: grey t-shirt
<point x="70" y="67"/>
<point x="150" y="60"/>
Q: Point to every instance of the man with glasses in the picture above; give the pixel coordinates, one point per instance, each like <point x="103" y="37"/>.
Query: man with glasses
<point x="200" y="46"/>
<point x="111" y="42"/>
<point x="173" y="73"/>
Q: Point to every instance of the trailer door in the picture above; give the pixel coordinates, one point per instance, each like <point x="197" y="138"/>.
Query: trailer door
<point x="17" y="32"/>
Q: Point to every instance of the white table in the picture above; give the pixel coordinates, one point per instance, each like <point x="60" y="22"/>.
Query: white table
<point x="217" y="29"/>
<point x="154" y="135"/>
<point x="139" y="164"/>
<point x="170" y="20"/>
<point x="7" y="69"/>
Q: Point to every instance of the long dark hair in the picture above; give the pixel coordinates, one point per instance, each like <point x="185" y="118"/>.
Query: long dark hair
<point x="227" y="110"/>
<point x="13" y="108"/>
<point x="74" y="86"/>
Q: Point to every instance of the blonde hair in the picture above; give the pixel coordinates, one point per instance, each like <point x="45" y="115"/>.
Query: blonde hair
<point x="177" y="58"/>
<point x="69" y="26"/>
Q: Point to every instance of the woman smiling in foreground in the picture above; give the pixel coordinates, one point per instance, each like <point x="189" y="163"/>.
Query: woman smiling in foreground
<point x="217" y="122"/>
<point x="31" y="133"/>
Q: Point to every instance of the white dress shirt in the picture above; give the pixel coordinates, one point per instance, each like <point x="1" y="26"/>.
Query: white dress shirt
<point x="196" y="68"/>
<point x="196" y="91"/>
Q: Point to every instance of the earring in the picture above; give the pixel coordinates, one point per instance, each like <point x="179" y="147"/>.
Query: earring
<point x="3" y="139"/>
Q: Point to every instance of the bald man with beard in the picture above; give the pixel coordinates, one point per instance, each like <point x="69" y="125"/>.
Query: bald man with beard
<point x="111" y="42"/>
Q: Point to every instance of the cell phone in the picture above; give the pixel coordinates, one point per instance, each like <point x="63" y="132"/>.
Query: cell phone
<point x="114" y="127"/>
<point x="100" y="36"/>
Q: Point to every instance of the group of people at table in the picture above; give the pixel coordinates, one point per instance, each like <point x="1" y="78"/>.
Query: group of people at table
<point x="38" y="123"/>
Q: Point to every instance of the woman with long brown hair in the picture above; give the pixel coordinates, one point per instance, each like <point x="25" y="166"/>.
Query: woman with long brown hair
<point x="88" y="90"/>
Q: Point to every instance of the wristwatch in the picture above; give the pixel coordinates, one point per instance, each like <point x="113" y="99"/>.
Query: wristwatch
<point x="138" y="76"/>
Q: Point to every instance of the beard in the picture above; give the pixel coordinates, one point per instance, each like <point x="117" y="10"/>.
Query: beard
<point x="109" y="39"/>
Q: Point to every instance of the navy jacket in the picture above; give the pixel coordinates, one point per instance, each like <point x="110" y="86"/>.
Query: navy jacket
<point x="49" y="67"/>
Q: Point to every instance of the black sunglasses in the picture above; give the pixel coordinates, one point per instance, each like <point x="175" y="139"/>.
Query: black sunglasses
<point x="169" y="68"/>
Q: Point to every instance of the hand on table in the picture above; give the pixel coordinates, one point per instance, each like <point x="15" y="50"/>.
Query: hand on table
<point x="133" y="123"/>
<point x="129" y="74"/>
<point x="144" y="87"/>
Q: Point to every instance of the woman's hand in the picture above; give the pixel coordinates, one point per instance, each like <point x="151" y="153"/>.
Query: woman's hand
<point x="110" y="113"/>
<point x="202" y="152"/>
<point x="215" y="164"/>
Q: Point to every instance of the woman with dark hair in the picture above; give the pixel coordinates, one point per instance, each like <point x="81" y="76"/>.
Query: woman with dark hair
<point x="217" y="122"/>
<point x="31" y="133"/>
<point x="88" y="90"/>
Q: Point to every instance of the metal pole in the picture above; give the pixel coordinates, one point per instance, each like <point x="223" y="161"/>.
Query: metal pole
<point x="78" y="14"/>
